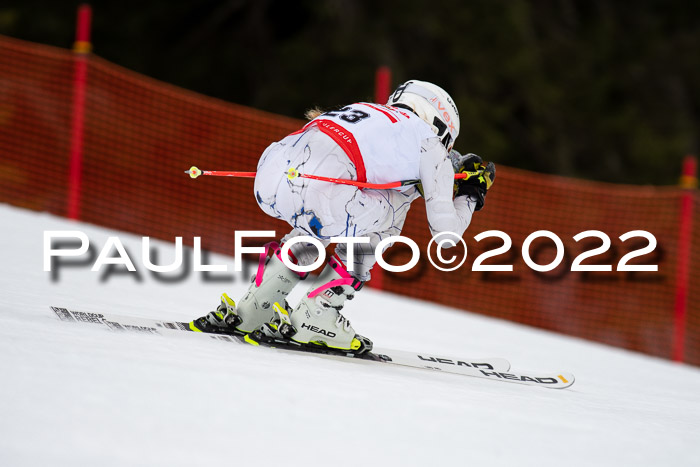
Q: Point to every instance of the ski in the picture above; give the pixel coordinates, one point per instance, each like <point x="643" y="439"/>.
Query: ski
<point x="497" y="369"/>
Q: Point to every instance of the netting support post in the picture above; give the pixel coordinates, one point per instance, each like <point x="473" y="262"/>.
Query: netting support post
<point x="688" y="182"/>
<point x="81" y="51"/>
<point x="382" y="85"/>
<point x="382" y="90"/>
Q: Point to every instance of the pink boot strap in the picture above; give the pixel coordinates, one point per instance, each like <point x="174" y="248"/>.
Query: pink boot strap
<point x="346" y="278"/>
<point x="275" y="248"/>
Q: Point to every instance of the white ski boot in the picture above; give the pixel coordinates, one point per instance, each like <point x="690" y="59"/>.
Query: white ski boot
<point x="271" y="284"/>
<point x="316" y="321"/>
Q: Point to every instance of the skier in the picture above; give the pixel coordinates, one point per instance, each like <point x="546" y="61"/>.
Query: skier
<point x="409" y="138"/>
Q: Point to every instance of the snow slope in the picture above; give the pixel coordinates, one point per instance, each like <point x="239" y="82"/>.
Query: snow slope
<point x="75" y="394"/>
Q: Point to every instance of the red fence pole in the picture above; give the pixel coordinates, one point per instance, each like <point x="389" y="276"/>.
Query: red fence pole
<point x="382" y="85"/>
<point x="689" y="181"/>
<point x="81" y="49"/>
<point x="382" y="90"/>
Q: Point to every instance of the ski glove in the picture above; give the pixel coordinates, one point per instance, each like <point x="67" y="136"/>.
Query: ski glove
<point x="480" y="177"/>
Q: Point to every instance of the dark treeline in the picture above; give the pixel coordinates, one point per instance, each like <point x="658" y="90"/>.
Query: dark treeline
<point x="602" y="89"/>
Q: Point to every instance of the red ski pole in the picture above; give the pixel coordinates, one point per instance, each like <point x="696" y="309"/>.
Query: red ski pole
<point x="194" y="172"/>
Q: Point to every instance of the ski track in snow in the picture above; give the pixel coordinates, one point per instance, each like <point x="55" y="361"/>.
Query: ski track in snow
<point x="76" y="394"/>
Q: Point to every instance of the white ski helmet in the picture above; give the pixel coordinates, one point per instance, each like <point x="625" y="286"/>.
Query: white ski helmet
<point x="432" y="104"/>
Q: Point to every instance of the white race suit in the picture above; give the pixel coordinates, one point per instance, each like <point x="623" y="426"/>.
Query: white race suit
<point x="366" y="142"/>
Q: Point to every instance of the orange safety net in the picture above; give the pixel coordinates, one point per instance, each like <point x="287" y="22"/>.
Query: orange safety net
<point x="140" y="135"/>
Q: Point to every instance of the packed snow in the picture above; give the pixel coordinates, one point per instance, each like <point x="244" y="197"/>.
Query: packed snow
<point x="79" y="394"/>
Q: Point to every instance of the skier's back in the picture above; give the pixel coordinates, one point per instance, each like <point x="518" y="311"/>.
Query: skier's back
<point x="409" y="138"/>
